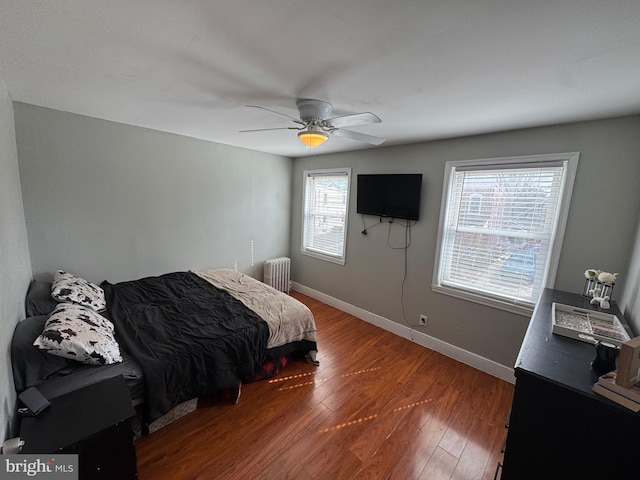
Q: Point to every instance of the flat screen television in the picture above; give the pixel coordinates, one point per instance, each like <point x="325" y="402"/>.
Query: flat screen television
<point x="394" y="195"/>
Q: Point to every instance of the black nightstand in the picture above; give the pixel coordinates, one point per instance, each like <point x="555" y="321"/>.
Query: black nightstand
<point x="92" y="422"/>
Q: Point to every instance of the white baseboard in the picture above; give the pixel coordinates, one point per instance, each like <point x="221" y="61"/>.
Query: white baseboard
<point x="468" y="358"/>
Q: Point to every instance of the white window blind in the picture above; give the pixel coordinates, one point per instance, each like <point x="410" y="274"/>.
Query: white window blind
<point x="326" y="203"/>
<point x="500" y="226"/>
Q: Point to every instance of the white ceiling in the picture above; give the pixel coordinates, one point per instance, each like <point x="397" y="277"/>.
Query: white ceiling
<point x="430" y="69"/>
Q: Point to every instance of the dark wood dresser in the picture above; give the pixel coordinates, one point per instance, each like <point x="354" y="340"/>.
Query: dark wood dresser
<point x="93" y="422"/>
<point x="558" y="427"/>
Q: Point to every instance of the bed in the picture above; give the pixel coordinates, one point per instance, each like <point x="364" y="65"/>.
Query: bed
<point x="181" y="336"/>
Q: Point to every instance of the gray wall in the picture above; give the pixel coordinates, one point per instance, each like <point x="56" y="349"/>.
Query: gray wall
<point x="15" y="269"/>
<point x="601" y="230"/>
<point x="114" y="202"/>
<point x="630" y="301"/>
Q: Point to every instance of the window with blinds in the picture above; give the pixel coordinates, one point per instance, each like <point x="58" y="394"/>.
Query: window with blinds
<point x="501" y="228"/>
<point x="324" y="222"/>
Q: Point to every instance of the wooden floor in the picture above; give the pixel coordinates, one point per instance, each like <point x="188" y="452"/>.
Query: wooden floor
<point x="377" y="407"/>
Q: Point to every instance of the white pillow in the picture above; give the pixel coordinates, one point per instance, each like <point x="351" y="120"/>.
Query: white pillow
<point x="76" y="332"/>
<point x="66" y="287"/>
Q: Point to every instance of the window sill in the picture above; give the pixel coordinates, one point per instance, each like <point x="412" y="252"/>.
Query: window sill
<point x="326" y="258"/>
<point x="518" y="309"/>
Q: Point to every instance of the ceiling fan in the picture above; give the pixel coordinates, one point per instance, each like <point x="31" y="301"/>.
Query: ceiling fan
<point x="316" y="126"/>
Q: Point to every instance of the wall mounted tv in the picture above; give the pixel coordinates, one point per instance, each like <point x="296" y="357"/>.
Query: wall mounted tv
<point x="390" y="195"/>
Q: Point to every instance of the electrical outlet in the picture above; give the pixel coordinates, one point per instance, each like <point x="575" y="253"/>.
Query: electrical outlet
<point x="423" y="320"/>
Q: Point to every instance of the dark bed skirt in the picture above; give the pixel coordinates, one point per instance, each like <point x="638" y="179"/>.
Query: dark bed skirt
<point x="277" y="359"/>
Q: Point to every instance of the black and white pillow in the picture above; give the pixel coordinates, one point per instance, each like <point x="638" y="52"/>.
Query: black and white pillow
<point x="66" y="287"/>
<point x="79" y="333"/>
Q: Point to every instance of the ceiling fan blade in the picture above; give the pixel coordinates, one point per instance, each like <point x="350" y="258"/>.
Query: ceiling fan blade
<point x="294" y="119"/>
<point x="265" y="129"/>
<point x="360" y="137"/>
<point x="351" y="120"/>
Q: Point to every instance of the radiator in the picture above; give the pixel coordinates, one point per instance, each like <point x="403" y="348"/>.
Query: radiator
<point x="277" y="273"/>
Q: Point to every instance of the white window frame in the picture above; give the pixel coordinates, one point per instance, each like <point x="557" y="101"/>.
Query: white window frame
<point x="570" y="161"/>
<point x="307" y="249"/>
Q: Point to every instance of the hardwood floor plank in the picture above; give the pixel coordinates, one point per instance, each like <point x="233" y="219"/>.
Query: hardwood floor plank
<point x="378" y="406"/>
<point x="495" y="455"/>
<point x="473" y="460"/>
<point x="440" y="467"/>
<point x="384" y="458"/>
<point x="419" y="450"/>
<point x="455" y="439"/>
<point x="332" y="462"/>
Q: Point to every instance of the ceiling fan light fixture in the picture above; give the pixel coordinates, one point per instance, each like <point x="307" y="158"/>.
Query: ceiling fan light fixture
<point x="316" y="125"/>
<point x="312" y="137"/>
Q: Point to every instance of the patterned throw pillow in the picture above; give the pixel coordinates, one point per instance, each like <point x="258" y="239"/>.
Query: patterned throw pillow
<point x="76" y="332"/>
<point x="66" y="287"/>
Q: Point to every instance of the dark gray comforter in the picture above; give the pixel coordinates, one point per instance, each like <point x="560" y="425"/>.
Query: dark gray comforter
<point x="189" y="338"/>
